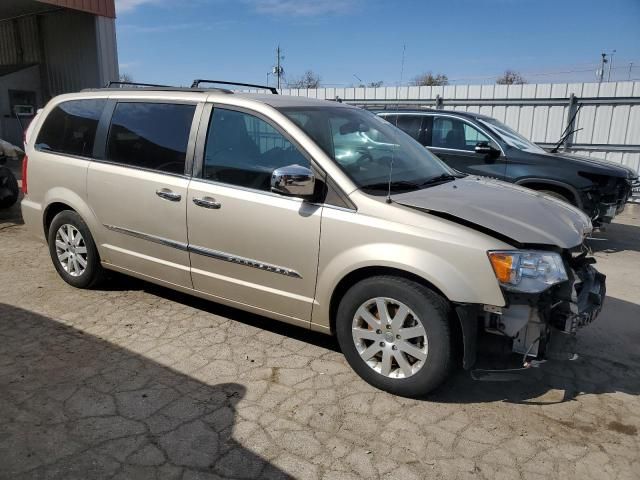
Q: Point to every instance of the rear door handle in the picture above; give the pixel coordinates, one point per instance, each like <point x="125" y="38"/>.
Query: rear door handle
<point x="168" y="195"/>
<point x="207" y="202"/>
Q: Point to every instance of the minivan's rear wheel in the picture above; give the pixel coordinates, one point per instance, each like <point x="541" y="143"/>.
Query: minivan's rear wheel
<point x="73" y="251"/>
<point x="395" y="334"/>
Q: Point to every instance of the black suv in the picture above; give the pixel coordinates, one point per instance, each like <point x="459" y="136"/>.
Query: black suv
<point x="481" y="145"/>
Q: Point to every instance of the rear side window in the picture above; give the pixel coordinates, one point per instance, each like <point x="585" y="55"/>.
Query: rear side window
<point x="150" y="135"/>
<point x="71" y="127"/>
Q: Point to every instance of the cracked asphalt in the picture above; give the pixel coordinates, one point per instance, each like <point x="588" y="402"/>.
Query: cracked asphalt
<point x="136" y="381"/>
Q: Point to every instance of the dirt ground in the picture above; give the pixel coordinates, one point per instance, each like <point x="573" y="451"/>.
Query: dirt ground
<point x="136" y="381"/>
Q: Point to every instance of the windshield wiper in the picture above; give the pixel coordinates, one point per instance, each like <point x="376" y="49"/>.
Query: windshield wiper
<point x="563" y="138"/>
<point x="445" y="177"/>
<point x="395" y="185"/>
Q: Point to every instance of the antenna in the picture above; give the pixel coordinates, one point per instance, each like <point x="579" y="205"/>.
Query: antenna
<point x="390" y="172"/>
<point x="393" y="151"/>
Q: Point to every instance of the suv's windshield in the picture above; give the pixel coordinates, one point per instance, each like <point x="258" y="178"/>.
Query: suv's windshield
<point x="368" y="148"/>
<point x="510" y="136"/>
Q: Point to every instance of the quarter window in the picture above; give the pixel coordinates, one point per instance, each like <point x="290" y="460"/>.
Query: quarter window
<point x="455" y="134"/>
<point x="71" y="127"/>
<point x="244" y="150"/>
<point x="150" y="135"/>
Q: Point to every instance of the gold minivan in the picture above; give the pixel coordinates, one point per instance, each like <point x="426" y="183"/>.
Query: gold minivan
<point x="310" y="212"/>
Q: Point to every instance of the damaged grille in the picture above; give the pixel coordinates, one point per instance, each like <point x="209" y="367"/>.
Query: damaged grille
<point x="580" y="299"/>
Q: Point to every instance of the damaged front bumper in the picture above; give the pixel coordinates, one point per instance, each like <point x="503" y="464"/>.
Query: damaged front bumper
<point x="536" y="327"/>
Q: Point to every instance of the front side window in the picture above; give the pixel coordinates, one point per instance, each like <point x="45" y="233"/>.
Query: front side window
<point x="455" y="134"/>
<point x="367" y="148"/>
<point x="150" y="135"/>
<point x="71" y="127"/>
<point x="244" y="150"/>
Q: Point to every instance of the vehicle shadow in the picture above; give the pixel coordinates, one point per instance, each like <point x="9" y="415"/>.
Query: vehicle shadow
<point x="121" y="282"/>
<point x="609" y="361"/>
<point x="75" y="406"/>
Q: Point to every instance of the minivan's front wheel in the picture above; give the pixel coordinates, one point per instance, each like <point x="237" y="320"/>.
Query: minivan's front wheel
<point x="395" y="334"/>
<point x="73" y="251"/>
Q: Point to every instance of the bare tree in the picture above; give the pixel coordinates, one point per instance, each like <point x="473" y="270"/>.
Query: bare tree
<point x="511" y="77"/>
<point x="309" y="79"/>
<point x="429" y="79"/>
<point x="125" y="77"/>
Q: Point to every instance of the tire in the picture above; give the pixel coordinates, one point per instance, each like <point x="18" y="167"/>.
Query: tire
<point x="432" y="312"/>
<point x="91" y="273"/>
<point x="8" y="185"/>
<point x="557" y="195"/>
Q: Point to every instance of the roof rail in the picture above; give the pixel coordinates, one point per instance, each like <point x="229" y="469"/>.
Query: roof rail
<point x="196" y="83"/>
<point x="135" y="84"/>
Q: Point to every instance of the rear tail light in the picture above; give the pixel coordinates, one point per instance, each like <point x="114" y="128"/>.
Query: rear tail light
<point x="25" y="161"/>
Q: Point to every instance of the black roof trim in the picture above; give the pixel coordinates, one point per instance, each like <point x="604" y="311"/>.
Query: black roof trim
<point x="196" y="83"/>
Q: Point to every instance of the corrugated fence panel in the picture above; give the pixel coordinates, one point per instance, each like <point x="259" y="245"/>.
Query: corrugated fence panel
<point x="538" y="111"/>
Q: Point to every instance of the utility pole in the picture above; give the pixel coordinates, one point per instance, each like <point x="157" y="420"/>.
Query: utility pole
<point x="278" y="70"/>
<point x="630" y="68"/>
<point x="610" y="65"/>
<point x="404" y="49"/>
<point x="602" y="62"/>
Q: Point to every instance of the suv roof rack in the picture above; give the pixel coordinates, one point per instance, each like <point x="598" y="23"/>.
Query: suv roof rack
<point x="111" y="84"/>
<point x="196" y="83"/>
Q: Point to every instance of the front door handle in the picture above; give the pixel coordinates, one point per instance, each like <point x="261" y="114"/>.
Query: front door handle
<point x="207" y="202"/>
<point x="168" y="195"/>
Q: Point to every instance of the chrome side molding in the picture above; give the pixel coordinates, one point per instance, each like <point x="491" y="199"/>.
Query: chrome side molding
<point x="218" y="255"/>
<point x="248" y="262"/>
<point x="150" y="238"/>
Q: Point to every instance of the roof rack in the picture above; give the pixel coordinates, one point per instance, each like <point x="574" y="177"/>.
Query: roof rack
<point x="196" y="83"/>
<point x="135" y="84"/>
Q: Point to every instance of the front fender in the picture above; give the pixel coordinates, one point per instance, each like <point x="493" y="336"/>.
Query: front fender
<point x="470" y="281"/>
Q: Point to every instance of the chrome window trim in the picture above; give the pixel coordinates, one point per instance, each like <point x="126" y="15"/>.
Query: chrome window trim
<point x="487" y="134"/>
<point x="218" y="255"/>
<point x="68" y="155"/>
<point x="143" y="169"/>
<point x="457" y="117"/>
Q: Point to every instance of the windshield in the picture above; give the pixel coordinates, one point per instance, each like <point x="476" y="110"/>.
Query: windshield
<point x="512" y="137"/>
<point x="368" y="148"/>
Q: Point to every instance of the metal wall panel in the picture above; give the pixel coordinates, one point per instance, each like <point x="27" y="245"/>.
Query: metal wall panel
<point x="19" y="41"/>
<point x="105" y="8"/>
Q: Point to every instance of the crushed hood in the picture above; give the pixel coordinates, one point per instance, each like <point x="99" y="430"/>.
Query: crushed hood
<point x="518" y="213"/>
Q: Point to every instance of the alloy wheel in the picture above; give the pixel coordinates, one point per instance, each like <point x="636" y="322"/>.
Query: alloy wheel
<point x="390" y="337"/>
<point x="71" y="250"/>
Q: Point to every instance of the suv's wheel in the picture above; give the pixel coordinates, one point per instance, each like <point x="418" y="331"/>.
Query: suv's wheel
<point x="73" y="251"/>
<point x="9" y="189"/>
<point x="395" y="334"/>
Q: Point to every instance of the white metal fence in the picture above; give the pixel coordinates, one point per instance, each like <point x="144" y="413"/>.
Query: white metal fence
<point x="606" y="114"/>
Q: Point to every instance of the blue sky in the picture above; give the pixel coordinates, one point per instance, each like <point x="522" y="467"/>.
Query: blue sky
<point x="472" y="41"/>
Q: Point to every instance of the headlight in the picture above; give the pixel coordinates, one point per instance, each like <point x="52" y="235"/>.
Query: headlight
<point x="527" y="271"/>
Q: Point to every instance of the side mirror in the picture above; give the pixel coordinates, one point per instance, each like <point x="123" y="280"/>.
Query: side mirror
<point x="293" y="181"/>
<point x="483" y="148"/>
